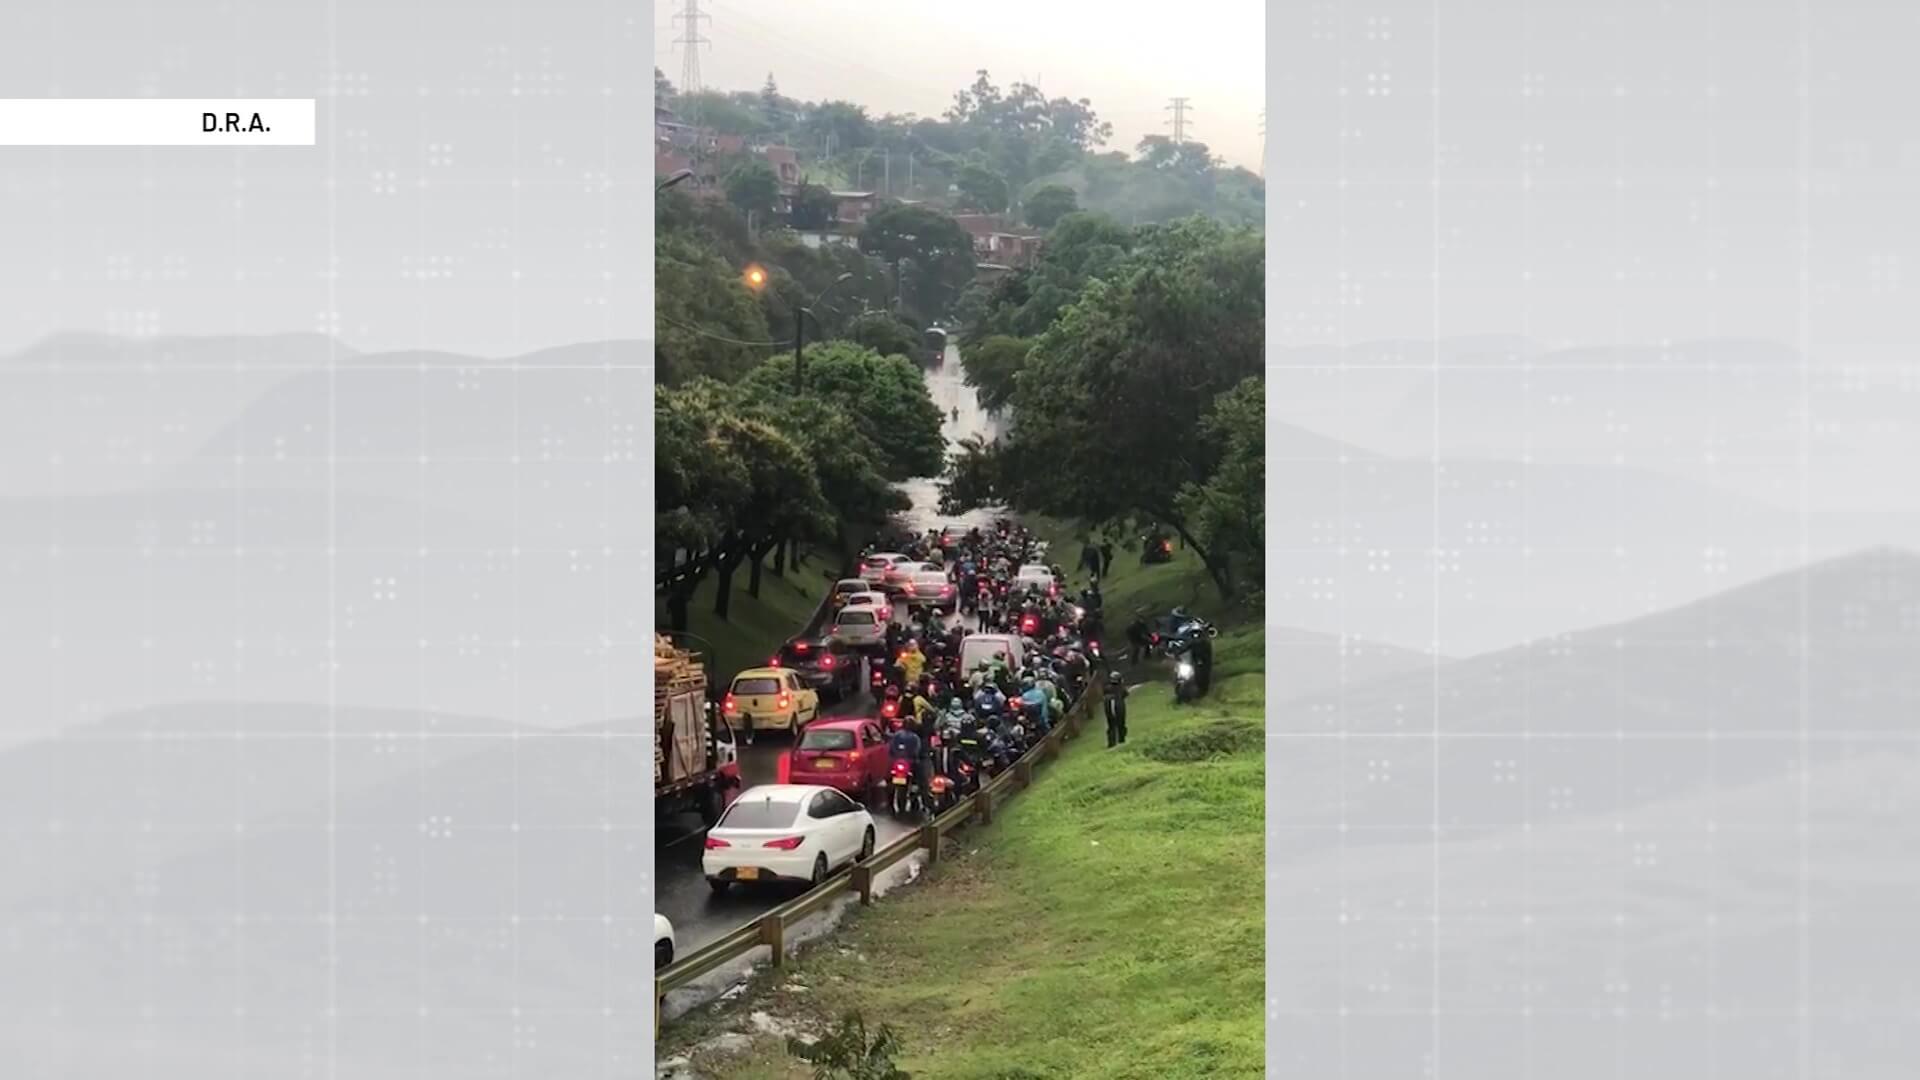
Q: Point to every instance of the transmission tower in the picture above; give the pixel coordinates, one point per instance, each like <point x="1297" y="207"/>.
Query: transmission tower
<point x="1263" y="144"/>
<point x="1180" y="107"/>
<point x="692" y="40"/>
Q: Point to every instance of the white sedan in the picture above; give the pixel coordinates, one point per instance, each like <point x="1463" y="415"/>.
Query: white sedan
<point x="662" y="942"/>
<point x="786" y="832"/>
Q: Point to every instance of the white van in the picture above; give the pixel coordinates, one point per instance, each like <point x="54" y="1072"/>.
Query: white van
<point x="977" y="649"/>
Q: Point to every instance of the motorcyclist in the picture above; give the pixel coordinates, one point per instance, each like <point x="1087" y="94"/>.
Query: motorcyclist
<point x="1037" y="703"/>
<point x="912" y="661"/>
<point x="1115" y="701"/>
<point x="906" y="744"/>
<point x="988" y="700"/>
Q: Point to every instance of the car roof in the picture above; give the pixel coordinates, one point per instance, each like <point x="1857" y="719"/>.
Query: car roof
<point x="941" y="574"/>
<point x="837" y="723"/>
<point x="875" y="593"/>
<point x="845" y="581"/>
<point x="759" y="673"/>
<point x="878" y="555"/>
<point x="780" y="791"/>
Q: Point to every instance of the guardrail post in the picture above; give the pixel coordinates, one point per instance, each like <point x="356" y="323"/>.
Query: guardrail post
<point x="1053" y="746"/>
<point x="1024" y="770"/>
<point x="983" y="806"/>
<point x="773" y="933"/>
<point x="863" y="880"/>
<point x="930" y="839"/>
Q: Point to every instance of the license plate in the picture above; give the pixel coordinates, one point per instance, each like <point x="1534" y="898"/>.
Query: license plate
<point x="901" y="780"/>
<point x="747" y="873"/>
<point x="823" y="763"/>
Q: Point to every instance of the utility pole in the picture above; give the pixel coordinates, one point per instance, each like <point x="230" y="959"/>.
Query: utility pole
<point x="691" y="38"/>
<point x="1180" y="107"/>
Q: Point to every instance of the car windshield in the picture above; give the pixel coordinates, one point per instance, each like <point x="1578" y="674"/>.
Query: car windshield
<point x="826" y="739"/>
<point x="767" y="813"/>
<point x="851" y="587"/>
<point x="856" y="618"/>
<point x="756" y="686"/>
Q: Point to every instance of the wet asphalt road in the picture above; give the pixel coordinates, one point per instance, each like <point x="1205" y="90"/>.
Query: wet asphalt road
<point x="680" y="891"/>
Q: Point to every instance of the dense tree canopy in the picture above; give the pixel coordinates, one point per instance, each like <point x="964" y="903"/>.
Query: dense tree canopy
<point x="1117" y="407"/>
<point x="930" y="252"/>
<point x="994" y="148"/>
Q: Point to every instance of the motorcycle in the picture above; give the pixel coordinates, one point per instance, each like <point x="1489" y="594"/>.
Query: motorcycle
<point x="905" y="792"/>
<point x="1185" y="687"/>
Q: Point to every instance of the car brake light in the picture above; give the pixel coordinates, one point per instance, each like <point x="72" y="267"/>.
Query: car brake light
<point x="1166" y="546"/>
<point x="826" y="661"/>
<point x="800" y="646"/>
<point x="716" y="842"/>
<point x="900" y="768"/>
<point x="775" y="662"/>
<point x="784" y="702"/>
<point x="853" y="757"/>
<point x="786" y="843"/>
<point x="729" y="705"/>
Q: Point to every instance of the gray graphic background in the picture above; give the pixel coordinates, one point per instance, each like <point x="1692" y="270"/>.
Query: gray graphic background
<point x="322" y="518"/>
<point x="1595" y="408"/>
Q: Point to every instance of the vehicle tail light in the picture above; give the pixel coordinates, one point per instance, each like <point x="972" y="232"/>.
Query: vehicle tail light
<point x="853" y="757"/>
<point x="900" y="768"/>
<point x="1166" y="546"/>
<point x="889" y="709"/>
<point x="784" y="702"/>
<point x="729" y="705"/>
<point x="946" y="590"/>
<point x="1028" y="624"/>
<point x="800" y="646"/>
<point x="716" y="842"/>
<point x="775" y="662"/>
<point x="826" y="661"/>
<point x="786" y="843"/>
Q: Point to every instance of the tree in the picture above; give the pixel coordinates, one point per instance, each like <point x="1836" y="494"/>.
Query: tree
<point x="884" y="334"/>
<point x="1109" y="404"/>
<point x="848" y="1053"/>
<point x="937" y="250"/>
<point x="990" y="367"/>
<point x="1227" y="511"/>
<point x="981" y="189"/>
<point x="753" y="187"/>
<point x="662" y="89"/>
<point x="783" y="498"/>
<point x="707" y="322"/>
<point x="841" y="124"/>
<point x="813" y="207"/>
<point x="699" y="486"/>
<point x="884" y="396"/>
<point x="1046" y="206"/>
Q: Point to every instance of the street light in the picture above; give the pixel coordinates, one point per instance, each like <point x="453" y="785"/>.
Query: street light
<point x="672" y="180"/>
<point x="799" y="324"/>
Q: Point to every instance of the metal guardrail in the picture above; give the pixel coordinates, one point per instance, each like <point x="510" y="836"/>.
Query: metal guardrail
<point x="770" y="929"/>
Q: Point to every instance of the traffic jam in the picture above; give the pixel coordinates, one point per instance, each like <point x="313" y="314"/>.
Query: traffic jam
<point x="967" y="650"/>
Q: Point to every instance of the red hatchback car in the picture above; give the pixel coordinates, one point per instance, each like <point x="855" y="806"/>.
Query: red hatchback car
<point x="846" y="753"/>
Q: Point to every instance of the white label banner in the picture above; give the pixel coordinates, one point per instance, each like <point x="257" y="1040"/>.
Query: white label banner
<point x="219" y="122"/>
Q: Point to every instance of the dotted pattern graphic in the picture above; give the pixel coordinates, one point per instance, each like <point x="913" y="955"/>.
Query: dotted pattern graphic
<point x="324" y="533"/>
<point x="1593" y="593"/>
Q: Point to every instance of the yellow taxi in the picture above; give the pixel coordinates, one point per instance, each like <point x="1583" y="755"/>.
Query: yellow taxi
<point x="767" y="698"/>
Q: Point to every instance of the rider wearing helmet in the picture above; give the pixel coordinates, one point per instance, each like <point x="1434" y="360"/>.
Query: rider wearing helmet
<point x="1115" y="701"/>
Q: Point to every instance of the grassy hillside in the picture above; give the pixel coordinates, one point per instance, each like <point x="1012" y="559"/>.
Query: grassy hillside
<point x="754" y="627"/>
<point x="1109" y="923"/>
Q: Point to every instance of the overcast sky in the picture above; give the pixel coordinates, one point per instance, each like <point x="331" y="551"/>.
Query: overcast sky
<point x="1128" y="57"/>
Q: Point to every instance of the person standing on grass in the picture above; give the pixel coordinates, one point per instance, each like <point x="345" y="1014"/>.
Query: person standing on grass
<point x="1115" y="701"/>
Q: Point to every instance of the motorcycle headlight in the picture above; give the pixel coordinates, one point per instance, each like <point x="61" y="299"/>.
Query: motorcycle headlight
<point x="1185" y="671"/>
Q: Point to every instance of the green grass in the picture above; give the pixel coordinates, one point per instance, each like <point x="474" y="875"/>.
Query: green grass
<point x="754" y="628"/>
<point x="1109" y="923"/>
<point x="1130" y="586"/>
